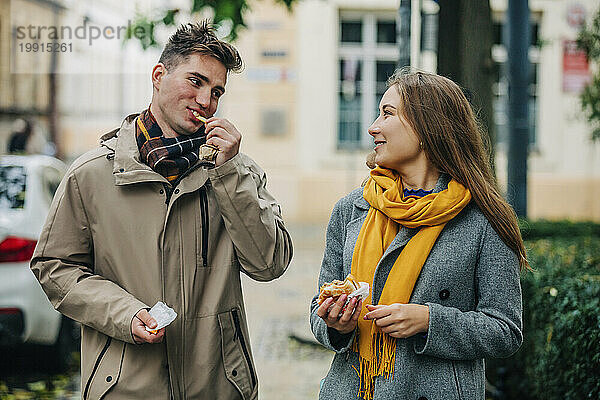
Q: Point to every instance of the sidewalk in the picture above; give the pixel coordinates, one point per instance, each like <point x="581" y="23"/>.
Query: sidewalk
<point x="286" y="368"/>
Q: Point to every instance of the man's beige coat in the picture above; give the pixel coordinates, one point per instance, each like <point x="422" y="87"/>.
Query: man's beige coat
<point x="113" y="243"/>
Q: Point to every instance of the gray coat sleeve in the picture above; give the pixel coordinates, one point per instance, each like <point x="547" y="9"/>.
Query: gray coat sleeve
<point x="493" y="329"/>
<point x="331" y="268"/>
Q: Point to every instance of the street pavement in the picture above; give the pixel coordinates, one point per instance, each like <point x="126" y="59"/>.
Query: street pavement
<point x="288" y="365"/>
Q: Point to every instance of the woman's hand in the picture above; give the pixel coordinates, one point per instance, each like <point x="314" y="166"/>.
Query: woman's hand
<point x="400" y="320"/>
<point x="345" y="323"/>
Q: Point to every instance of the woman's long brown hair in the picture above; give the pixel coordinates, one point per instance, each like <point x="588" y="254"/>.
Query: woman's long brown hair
<point x="440" y="114"/>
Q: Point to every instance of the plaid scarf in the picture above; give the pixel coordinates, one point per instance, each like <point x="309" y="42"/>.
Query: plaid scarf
<point x="170" y="157"/>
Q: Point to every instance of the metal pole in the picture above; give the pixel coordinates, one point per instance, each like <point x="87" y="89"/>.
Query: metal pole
<point x="403" y="33"/>
<point x="518" y="103"/>
<point x="53" y="89"/>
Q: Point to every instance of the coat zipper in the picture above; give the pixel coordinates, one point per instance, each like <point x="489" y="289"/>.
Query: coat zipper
<point x="87" y="385"/>
<point x="182" y="322"/>
<point x="204" y="212"/>
<point x="170" y="187"/>
<point x="238" y="333"/>
<point x="456" y="380"/>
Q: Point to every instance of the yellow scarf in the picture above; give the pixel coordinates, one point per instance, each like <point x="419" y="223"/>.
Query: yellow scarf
<point x="383" y="191"/>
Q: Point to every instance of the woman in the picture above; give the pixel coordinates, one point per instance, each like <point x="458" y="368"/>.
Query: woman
<point x="439" y="247"/>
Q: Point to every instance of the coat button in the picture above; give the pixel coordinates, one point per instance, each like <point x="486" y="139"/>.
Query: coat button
<point x="108" y="378"/>
<point x="176" y="191"/>
<point x="234" y="372"/>
<point x="444" y="294"/>
<point x="121" y="170"/>
<point x="161" y="191"/>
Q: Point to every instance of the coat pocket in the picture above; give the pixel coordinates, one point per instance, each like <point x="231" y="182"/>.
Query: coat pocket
<point x="236" y="355"/>
<point x="106" y="370"/>
<point x="468" y="384"/>
<point x="202" y="228"/>
<point x="456" y="381"/>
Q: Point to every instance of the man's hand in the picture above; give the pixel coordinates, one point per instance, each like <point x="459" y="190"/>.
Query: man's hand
<point x="139" y="332"/>
<point x="345" y="323"/>
<point x="224" y="135"/>
<point x="400" y="320"/>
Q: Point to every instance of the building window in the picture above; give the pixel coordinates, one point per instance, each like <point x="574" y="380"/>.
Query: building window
<point x="367" y="57"/>
<point x="350" y="98"/>
<point x="351" y="31"/>
<point x="500" y="88"/>
<point x="273" y="122"/>
<point x="384" y="69"/>
<point x="386" y="31"/>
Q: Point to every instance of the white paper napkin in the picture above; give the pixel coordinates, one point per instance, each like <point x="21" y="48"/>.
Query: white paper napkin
<point x="361" y="293"/>
<point x="163" y="315"/>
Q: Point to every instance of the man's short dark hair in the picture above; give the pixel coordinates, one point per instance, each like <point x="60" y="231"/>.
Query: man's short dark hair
<point x="199" y="38"/>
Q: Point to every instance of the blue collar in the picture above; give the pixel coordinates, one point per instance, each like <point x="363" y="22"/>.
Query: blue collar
<point x="416" y="193"/>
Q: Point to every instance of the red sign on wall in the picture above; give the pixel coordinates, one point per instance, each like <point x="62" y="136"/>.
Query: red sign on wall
<point x="576" y="70"/>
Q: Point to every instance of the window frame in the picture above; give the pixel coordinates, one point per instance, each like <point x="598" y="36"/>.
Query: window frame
<point x="367" y="52"/>
<point x="50" y="179"/>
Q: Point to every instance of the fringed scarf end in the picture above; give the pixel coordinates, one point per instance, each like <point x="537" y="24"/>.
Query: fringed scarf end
<point x="379" y="363"/>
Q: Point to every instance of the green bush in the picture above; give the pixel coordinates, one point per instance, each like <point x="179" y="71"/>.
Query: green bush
<point x="560" y="356"/>
<point x="545" y="229"/>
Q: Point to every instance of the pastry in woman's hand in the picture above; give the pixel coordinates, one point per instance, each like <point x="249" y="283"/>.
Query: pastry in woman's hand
<point x="337" y="288"/>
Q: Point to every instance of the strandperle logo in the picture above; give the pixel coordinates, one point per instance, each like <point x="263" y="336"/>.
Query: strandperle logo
<point x="41" y="33"/>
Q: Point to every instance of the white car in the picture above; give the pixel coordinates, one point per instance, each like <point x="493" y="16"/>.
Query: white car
<point x="27" y="185"/>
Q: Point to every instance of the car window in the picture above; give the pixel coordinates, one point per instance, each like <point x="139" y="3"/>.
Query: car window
<point x="51" y="180"/>
<point x="12" y="186"/>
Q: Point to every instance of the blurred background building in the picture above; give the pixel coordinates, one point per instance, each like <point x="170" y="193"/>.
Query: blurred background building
<point x="310" y="89"/>
<point x="315" y="79"/>
<point x="75" y="93"/>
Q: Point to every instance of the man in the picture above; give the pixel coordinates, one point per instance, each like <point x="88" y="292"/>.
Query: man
<point x="141" y="220"/>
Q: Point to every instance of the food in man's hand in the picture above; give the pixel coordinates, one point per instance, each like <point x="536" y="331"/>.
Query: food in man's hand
<point x="198" y="116"/>
<point x="208" y="154"/>
<point x="337" y="288"/>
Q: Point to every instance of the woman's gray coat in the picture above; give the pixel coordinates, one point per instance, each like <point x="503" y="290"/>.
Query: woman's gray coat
<point x="470" y="282"/>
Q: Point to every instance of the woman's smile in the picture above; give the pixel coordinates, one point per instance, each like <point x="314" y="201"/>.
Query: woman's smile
<point x="379" y="143"/>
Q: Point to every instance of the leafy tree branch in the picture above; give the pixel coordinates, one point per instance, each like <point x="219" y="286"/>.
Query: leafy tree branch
<point x="589" y="41"/>
<point x="228" y="13"/>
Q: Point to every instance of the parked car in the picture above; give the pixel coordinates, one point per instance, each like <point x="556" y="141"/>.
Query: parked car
<point x="27" y="186"/>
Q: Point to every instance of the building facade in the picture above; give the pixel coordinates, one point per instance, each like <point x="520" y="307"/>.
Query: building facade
<point x="97" y="78"/>
<point x="310" y="89"/>
<point x="326" y="67"/>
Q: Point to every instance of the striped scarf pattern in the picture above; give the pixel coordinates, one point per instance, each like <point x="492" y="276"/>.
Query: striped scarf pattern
<point x="170" y="157"/>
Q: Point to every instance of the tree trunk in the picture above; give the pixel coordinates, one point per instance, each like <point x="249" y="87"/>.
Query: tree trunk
<point x="465" y="55"/>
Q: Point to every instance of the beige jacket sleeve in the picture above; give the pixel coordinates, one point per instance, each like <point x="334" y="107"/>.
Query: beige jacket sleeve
<point x="252" y="218"/>
<point x="64" y="265"/>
